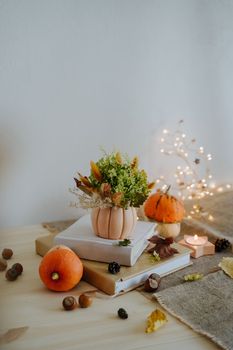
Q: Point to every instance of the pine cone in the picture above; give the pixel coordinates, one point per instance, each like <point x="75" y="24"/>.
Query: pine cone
<point x="114" y="267"/>
<point x="221" y="244"/>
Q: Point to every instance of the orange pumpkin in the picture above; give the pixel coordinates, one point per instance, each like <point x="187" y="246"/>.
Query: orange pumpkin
<point x="60" y="269"/>
<point x="164" y="207"/>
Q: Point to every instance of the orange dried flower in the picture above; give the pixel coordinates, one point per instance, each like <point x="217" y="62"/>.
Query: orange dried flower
<point x="95" y="170"/>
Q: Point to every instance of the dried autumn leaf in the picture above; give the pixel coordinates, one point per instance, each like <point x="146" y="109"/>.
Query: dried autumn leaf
<point x="95" y="171"/>
<point x="226" y="265"/>
<point x="155" y="320"/>
<point x="12" y="334"/>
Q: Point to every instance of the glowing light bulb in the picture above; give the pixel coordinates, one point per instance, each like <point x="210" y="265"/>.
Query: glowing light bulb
<point x="212" y="185"/>
<point x="210" y="218"/>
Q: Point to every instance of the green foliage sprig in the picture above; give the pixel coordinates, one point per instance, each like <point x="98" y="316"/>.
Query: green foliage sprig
<point x="114" y="181"/>
<point x="124" y="243"/>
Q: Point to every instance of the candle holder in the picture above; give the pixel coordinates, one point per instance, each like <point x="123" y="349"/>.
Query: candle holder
<point x="198" y="244"/>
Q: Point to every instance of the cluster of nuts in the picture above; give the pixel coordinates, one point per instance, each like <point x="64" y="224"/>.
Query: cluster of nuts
<point x="70" y="303"/>
<point x="15" y="270"/>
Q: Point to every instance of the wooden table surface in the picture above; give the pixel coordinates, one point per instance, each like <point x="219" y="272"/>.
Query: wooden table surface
<point x="27" y="303"/>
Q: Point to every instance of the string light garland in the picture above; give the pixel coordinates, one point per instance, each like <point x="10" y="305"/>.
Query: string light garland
<point x="193" y="178"/>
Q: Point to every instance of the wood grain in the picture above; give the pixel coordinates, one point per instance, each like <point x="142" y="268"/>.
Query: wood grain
<point x="27" y="302"/>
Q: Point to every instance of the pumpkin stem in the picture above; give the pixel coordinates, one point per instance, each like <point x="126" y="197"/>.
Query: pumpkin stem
<point x="55" y="276"/>
<point x="167" y="190"/>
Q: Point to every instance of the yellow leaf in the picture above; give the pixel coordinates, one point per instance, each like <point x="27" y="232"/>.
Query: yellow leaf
<point x="118" y="158"/>
<point x="226" y="265"/>
<point x="155" y="320"/>
<point x="95" y="171"/>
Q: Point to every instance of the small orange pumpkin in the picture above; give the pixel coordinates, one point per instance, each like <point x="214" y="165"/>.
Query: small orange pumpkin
<point x="60" y="269"/>
<point x="164" y="207"/>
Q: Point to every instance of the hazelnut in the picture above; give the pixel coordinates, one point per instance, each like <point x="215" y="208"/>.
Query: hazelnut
<point x="3" y="264"/>
<point x="152" y="283"/>
<point x="11" y="275"/>
<point x="18" y="268"/>
<point x="84" y="300"/>
<point x="7" y="253"/>
<point x="69" y="303"/>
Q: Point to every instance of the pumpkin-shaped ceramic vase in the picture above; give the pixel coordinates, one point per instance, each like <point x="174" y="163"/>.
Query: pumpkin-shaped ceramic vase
<point x="114" y="223"/>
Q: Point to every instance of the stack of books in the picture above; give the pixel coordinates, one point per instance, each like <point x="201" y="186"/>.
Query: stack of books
<point x="82" y="240"/>
<point x="96" y="253"/>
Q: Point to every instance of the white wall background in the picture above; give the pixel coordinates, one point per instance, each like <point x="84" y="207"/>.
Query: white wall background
<point x="76" y="75"/>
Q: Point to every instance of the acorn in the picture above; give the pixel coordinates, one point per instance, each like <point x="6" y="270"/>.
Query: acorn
<point x="7" y="253"/>
<point x="84" y="301"/>
<point x="11" y="275"/>
<point x="18" y="268"/>
<point x="152" y="283"/>
<point x="69" y="303"/>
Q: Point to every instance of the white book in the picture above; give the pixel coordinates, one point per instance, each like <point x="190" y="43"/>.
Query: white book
<point x="82" y="240"/>
<point x="165" y="267"/>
